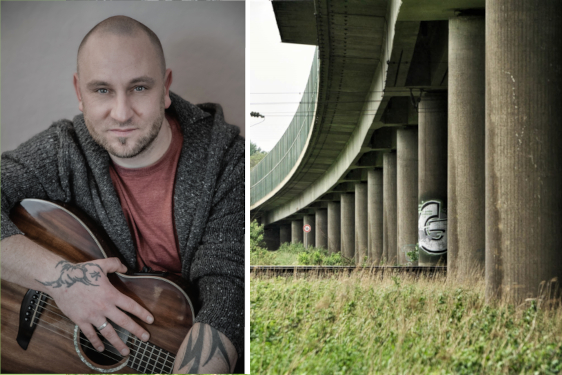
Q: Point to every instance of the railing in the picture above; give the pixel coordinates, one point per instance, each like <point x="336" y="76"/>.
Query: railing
<point x="277" y="164"/>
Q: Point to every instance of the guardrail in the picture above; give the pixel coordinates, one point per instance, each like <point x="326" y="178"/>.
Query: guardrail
<point x="279" y="162"/>
<point x="327" y="271"/>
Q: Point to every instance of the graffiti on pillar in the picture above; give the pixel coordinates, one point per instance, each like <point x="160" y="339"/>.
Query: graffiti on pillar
<point x="432" y="227"/>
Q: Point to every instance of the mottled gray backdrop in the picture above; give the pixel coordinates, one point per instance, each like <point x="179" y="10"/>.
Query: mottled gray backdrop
<point x="203" y="44"/>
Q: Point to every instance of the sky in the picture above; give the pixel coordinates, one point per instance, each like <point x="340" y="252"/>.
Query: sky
<point x="278" y="74"/>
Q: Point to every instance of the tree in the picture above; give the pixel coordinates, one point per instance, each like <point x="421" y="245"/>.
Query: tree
<point x="256" y="154"/>
<point x="256" y="158"/>
<point x="254" y="148"/>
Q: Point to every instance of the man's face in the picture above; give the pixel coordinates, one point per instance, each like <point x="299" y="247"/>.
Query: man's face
<point x="122" y="93"/>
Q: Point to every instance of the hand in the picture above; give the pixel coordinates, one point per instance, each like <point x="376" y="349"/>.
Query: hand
<point x="85" y="295"/>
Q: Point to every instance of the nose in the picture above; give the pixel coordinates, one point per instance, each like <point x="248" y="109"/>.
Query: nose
<point x="122" y="110"/>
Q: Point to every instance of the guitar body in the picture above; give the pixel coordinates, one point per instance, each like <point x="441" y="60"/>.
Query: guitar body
<point x="55" y="345"/>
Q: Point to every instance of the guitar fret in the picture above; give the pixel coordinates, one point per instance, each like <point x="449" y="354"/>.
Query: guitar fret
<point x="166" y="361"/>
<point x="143" y="360"/>
<point x="143" y="355"/>
<point x="155" y="354"/>
<point x="135" y="356"/>
<point x="139" y="359"/>
<point x="157" y="361"/>
<point x="149" y="358"/>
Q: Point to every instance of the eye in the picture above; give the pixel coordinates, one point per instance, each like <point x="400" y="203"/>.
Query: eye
<point x="102" y="91"/>
<point x="139" y="88"/>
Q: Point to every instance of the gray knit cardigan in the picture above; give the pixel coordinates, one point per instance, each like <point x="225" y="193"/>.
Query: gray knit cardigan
<point x="63" y="163"/>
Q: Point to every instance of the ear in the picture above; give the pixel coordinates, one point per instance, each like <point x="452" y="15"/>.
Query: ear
<point x="76" y="82"/>
<point x="167" y="84"/>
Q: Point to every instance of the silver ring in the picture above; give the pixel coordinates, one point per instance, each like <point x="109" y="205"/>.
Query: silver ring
<point x="102" y="326"/>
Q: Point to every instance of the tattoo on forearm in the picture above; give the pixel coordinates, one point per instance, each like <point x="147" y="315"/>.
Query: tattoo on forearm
<point x="71" y="274"/>
<point x="194" y="352"/>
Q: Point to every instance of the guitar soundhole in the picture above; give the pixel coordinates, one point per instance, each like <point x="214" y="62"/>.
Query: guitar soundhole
<point x="109" y="357"/>
<point x="107" y="361"/>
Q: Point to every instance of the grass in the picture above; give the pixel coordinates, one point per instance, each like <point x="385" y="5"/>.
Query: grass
<point x="290" y="254"/>
<point x="286" y="259"/>
<point x="297" y="254"/>
<point x="360" y="324"/>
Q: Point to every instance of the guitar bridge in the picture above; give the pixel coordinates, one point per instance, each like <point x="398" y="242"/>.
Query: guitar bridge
<point x="30" y="311"/>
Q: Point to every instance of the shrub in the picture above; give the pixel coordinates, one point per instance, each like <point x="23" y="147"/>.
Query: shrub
<point x="256" y="237"/>
<point x="262" y="257"/>
<point x="291" y="248"/>
<point x="320" y="257"/>
<point x="414" y="255"/>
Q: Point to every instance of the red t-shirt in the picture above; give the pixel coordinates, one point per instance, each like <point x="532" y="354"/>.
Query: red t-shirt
<point x="147" y="198"/>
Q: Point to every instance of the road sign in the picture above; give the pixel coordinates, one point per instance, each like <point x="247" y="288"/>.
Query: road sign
<point x="307" y="228"/>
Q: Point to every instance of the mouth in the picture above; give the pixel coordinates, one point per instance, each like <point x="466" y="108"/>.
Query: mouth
<point x="122" y="132"/>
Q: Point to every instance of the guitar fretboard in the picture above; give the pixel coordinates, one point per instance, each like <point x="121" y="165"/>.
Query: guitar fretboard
<point x="148" y="358"/>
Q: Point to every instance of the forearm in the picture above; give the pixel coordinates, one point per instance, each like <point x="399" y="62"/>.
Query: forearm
<point x="28" y="264"/>
<point x="204" y="351"/>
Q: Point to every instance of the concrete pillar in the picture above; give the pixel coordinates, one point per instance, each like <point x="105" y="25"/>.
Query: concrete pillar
<point x="348" y="225"/>
<point x="361" y="223"/>
<point x="466" y="190"/>
<point x="375" y="209"/>
<point x="406" y="191"/>
<point x="322" y="228"/>
<point x="271" y="237"/>
<point x="296" y="231"/>
<point x="309" y="238"/>
<point x="284" y="234"/>
<point x="432" y="179"/>
<point x="334" y="227"/>
<point x="389" y="218"/>
<point x="523" y="147"/>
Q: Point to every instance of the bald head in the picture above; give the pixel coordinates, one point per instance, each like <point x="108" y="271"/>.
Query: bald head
<point x="127" y="27"/>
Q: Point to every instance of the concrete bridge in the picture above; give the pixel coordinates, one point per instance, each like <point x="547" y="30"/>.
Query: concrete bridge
<point x="431" y="123"/>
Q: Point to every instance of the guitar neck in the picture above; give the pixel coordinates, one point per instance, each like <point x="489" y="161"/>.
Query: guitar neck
<point x="148" y="358"/>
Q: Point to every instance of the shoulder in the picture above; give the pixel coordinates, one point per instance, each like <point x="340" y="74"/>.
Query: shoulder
<point x="205" y="124"/>
<point x="58" y="135"/>
<point x="225" y="134"/>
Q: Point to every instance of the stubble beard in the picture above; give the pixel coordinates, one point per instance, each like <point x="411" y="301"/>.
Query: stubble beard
<point x="142" y="144"/>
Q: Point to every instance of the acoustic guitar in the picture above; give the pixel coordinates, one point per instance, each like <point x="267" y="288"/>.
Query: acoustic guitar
<point x="38" y="338"/>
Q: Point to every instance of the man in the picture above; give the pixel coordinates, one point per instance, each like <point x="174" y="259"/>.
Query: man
<point x="165" y="180"/>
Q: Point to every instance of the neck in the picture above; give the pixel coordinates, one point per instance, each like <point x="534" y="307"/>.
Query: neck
<point x="152" y="154"/>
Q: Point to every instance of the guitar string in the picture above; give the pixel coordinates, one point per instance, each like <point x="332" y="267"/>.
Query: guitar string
<point x="45" y="326"/>
<point x="117" y="330"/>
<point x="133" y="352"/>
<point x="165" y="363"/>
<point x="140" y="363"/>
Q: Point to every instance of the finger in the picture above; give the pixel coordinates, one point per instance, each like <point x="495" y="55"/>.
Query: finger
<point x="92" y="336"/>
<point x="125" y="322"/>
<point x="111" y="265"/>
<point x="110" y="335"/>
<point x="128" y="304"/>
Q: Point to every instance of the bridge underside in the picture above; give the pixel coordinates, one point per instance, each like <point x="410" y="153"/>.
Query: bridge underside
<point x="430" y="133"/>
<point x="352" y="38"/>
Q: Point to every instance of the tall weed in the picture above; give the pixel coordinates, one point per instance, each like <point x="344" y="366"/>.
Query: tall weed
<point x="364" y="324"/>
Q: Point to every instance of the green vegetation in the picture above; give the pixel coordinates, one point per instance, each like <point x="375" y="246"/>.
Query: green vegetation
<point x="256" y="154"/>
<point x="414" y="255"/>
<point x="362" y="324"/>
<point x="290" y="254"/>
<point x="258" y="253"/>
